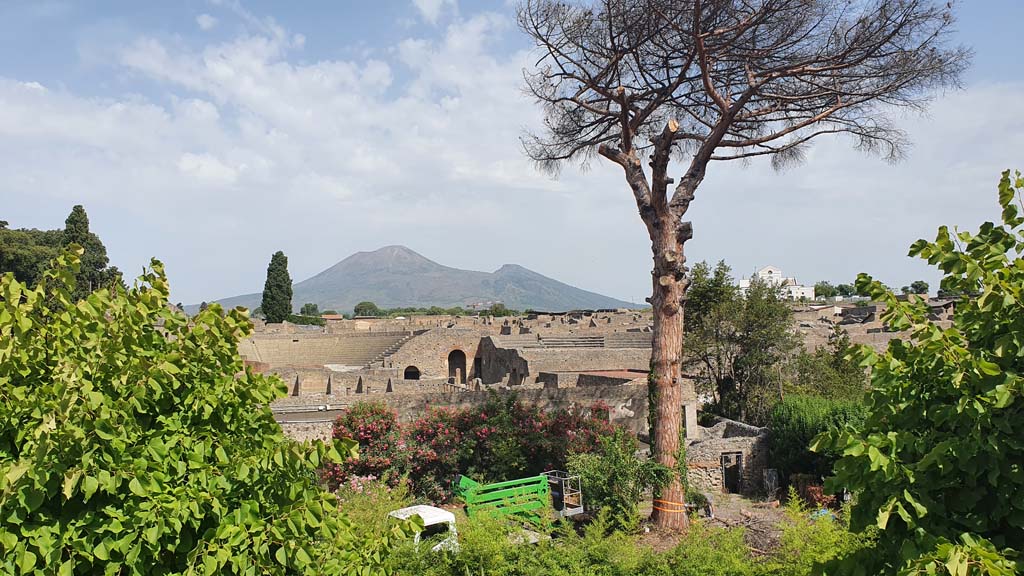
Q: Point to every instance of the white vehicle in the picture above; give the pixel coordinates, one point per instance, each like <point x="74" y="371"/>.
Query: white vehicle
<point x="436" y="521"/>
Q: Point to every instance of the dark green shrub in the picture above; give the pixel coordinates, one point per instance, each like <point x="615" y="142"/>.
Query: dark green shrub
<point x="489" y="546"/>
<point x="811" y="539"/>
<point x="795" y="421"/>
<point x="306" y="320"/>
<point x="614" y="479"/>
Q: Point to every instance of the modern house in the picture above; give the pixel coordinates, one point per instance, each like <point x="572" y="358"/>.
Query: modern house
<point x="774" y="277"/>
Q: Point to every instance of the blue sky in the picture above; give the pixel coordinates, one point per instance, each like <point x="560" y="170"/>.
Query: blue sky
<point x="210" y="134"/>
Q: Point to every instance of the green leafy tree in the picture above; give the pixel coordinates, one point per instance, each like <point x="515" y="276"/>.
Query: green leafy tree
<point x="310" y="309"/>
<point x="134" y="440"/>
<point x="496" y="310"/>
<point x="765" y="342"/>
<point x="26" y="253"/>
<point x="919" y="287"/>
<point x="614" y="479"/>
<point x="937" y="464"/>
<point x="825" y="289"/>
<point x="366" y="309"/>
<point x="277" y="291"/>
<point x="710" y="290"/>
<point x="739" y="343"/>
<point x="846" y="290"/>
<point x="831" y="371"/>
<point x="94" y="270"/>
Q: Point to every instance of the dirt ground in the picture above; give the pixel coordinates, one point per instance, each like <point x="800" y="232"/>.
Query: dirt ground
<point x="760" y="520"/>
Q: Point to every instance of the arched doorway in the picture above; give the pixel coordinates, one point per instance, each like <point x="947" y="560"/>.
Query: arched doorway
<point x="457" y="366"/>
<point x="411" y="373"/>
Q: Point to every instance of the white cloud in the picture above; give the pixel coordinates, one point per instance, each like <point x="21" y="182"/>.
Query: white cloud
<point x="248" y="148"/>
<point x="430" y="10"/>
<point x="206" y="22"/>
<point x="207" y="168"/>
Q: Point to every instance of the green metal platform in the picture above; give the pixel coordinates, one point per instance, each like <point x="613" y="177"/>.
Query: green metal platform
<point x="528" y="498"/>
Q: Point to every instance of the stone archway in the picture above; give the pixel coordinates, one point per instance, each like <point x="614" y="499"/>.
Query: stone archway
<point x="411" y="373"/>
<point x="457" y="366"/>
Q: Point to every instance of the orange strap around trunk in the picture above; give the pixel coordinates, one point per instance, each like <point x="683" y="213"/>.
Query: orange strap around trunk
<point x="680" y="508"/>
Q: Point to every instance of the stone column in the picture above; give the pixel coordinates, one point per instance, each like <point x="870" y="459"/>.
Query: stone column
<point x="690" y="420"/>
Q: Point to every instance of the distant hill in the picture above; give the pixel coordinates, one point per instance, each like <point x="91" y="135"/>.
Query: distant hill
<point x="395" y="276"/>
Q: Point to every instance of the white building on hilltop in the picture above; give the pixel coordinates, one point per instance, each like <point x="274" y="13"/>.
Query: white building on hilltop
<point x="773" y="276"/>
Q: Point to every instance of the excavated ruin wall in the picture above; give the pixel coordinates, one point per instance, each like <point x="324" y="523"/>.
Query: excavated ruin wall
<point x="628" y="406"/>
<point x="429" y="351"/>
<point x="704" y="469"/>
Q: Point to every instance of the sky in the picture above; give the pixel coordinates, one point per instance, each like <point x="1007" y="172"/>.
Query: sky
<point x="211" y="133"/>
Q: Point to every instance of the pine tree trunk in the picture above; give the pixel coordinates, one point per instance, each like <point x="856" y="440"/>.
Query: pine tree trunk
<point x="667" y="303"/>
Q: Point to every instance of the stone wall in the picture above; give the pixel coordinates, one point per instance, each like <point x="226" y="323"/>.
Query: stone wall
<point x="429" y="351"/>
<point x="314" y="382"/>
<point x="309" y="430"/>
<point x="316" y="350"/>
<point x="704" y="456"/>
<point x="585" y="359"/>
<point x="558" y="379"/>
<point x="501" y="364"/>
<point x="517" y="366"/>
<point x="311" y="419"/>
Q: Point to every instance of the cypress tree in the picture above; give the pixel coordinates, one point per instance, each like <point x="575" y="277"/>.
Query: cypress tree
<point x="277" y="292"/>
<point x="94" y="272"/>
<point x="76" y="227"/>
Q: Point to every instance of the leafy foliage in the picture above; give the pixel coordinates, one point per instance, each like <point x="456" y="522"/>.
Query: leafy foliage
<point x="306" y="320"/>
<point x="94" y="271"/>
<point x="846" y="290"/>
<point x="739" y="342"/>
<point x="825" y="289"/>
<point x="916" y="287"/>
<point x="937" y="464"/>
<point x="614" y="479"/>
<point x="366" y="309"/>
<point x="502" y="439"/>
<point x="810" y="538"/>
<point x="487" y="546"/>
<point x="277" y="291"/>
<point x="309" y="309"/>
<point x="499" y="310"/>
<point x="27" y="253"/>
<point x="133" y="440"/>
<point x="796" y="421"/>
<point x="831" y="371"/>
<point x="375" y="427"/>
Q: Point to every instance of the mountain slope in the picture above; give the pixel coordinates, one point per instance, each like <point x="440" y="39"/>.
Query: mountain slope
<point x="396" y="276"/>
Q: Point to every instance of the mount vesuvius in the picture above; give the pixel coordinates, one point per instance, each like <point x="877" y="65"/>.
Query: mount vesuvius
<point x="395" y="276"/>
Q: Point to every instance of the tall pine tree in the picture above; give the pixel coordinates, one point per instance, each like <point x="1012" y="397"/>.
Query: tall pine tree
<point x="94" y="272"/>
<point x="277" y="292"/>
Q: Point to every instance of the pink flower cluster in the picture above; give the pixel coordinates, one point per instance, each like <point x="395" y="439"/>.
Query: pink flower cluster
<point x="497" y="441"/>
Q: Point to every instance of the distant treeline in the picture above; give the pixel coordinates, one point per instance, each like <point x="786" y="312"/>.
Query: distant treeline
<point x="310" y="313"/>
<point x="27" y="252"/>
<point x="497" y="310"/>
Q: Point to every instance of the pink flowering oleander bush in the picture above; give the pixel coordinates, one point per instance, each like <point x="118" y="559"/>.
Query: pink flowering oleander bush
<point x="499" y="440"/>
<point x="375" y="427"/>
